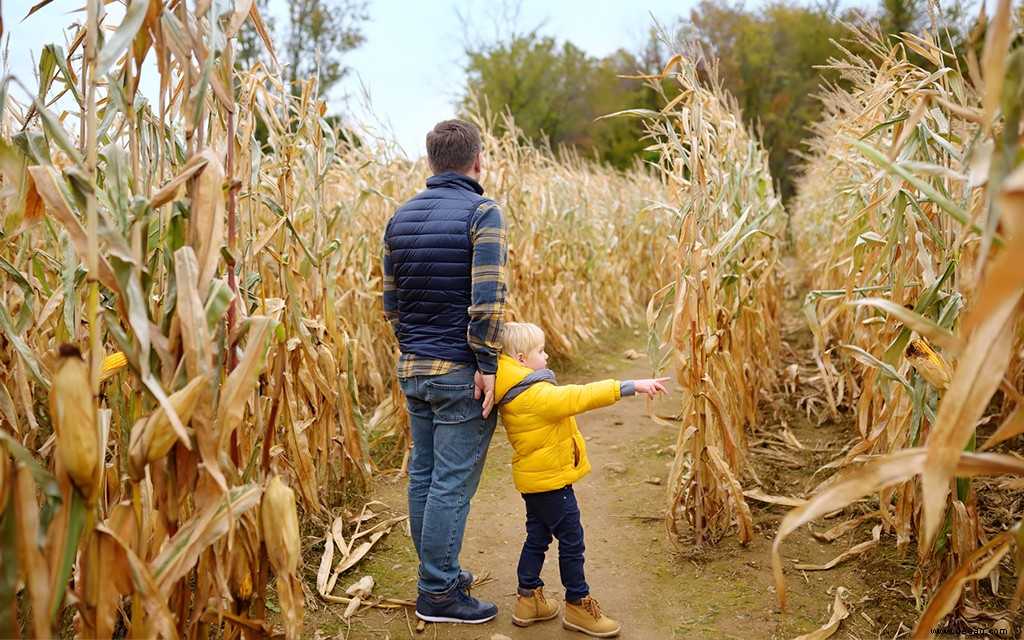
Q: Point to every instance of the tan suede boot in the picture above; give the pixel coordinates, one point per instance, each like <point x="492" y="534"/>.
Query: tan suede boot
<point x="533" y="608"/>
<point x="586" y="617"/>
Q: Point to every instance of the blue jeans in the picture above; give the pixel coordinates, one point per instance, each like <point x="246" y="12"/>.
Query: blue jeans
<point x="450" y="439"/>
<point x="554" y="514"/>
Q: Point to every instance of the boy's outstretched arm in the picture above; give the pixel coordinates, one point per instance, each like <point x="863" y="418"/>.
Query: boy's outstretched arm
<point x="557" y="402"/>
<point x="553" y="403"/>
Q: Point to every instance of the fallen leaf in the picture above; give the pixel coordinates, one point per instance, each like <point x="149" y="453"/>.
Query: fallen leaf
<point x="839" y="613"/>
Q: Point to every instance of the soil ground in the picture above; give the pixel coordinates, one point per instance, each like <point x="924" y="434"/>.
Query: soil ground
<point x="654" y="589"/>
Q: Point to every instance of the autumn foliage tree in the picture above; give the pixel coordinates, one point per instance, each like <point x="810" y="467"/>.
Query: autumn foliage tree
<point x="557" y="94"/>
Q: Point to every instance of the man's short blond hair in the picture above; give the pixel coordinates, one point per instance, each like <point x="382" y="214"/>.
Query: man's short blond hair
<point x="520" y="337"/>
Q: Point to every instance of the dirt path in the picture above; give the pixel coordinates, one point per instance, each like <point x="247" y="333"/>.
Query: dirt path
<point x="652" y="589"/>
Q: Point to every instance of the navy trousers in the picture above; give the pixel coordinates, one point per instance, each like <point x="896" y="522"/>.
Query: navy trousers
<point x="553" y="514"/>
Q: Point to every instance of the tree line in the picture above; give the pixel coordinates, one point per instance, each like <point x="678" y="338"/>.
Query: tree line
<point x="771" y="58"/>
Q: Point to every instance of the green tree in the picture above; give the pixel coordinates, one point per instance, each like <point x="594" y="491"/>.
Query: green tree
<point x="898" y="16"/>
<point x="317" y="34"/>
<point x="557" y="93"/>
<point x="769" y="61"/>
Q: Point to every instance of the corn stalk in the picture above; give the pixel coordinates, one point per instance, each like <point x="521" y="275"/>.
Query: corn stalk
<point x="238" y="323"/>
<point x="907" y="217"/>
<point x="719" y="314"/>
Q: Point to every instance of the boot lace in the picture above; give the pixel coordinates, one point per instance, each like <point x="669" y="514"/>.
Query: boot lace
<point x="590" y="606"/>
<point x="539" y="592"/>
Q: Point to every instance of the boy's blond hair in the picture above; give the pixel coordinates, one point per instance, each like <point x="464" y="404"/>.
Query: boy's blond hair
<point x="520" y="337"/>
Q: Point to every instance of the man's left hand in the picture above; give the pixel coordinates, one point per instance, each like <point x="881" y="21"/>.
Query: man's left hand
<point x="483" y="385"/>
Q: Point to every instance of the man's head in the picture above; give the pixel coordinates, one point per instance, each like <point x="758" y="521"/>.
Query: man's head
<point x="454" y="145"/>
<point x="524" y="343"/>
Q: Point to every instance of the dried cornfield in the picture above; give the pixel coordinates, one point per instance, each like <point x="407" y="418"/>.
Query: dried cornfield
<point x="908" y="220"/>
<point x="224" y="288"/>
<point x="718" y="315"/>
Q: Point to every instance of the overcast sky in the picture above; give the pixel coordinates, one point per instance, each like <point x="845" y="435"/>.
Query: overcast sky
<point x="412" y="62"/>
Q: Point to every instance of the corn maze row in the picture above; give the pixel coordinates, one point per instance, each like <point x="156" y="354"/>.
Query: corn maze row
<point x="192" y="342"/>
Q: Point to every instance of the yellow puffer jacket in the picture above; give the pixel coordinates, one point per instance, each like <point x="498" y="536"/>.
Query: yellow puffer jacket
<point x="549" y="449"/>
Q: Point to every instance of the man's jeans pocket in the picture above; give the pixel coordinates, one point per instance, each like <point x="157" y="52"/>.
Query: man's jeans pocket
<point x="453" y="400"/>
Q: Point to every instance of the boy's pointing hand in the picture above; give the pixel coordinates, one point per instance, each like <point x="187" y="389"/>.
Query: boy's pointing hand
<point x="651" y="386"/>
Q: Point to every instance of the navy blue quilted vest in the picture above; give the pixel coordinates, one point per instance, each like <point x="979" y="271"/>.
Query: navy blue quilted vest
<point x="432" y="255"/>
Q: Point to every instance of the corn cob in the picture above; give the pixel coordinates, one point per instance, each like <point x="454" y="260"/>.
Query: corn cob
<point x="928" y="364"/>
<point x="112" y="364"/>
<point x="153" y="436"/>
<point x="280" y="527"/>
<point x="74" y="422"/>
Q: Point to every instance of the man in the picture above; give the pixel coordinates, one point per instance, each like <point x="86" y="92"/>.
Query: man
<point x="444" y="259"/>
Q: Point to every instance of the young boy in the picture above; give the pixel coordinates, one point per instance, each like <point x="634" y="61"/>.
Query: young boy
<point x="549" y="457"/>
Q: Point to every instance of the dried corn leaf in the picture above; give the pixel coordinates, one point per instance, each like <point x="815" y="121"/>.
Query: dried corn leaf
<point x="203" y="529"/>
<point x="760" y="496"/>
<point x="839" y="613"/>
<point x="170" y="189"/>
<point x="33" y="563"/>
<point x="875" y="475"/>
<point x="994" y="55"/>
<point x="977" y="377"/>
<point x="744" y="520"/>
<point x="842" y="528"/>
<point x="238" y="387"/>
<point x="117" y="44"/>
<point x="208" y="218"/>
<point x="238" y="17"/>
<point x="949" y="593"/>
<point x="158" y="617"/>
<point x="358" y="553"/>
<point x="323" y="574"/>
<point x="338" y="532"/>
<point x="1011" y="427"/>
<point x="853" y="552"/>
<point x="47" y="184"/>
<point x="35" y="207"/>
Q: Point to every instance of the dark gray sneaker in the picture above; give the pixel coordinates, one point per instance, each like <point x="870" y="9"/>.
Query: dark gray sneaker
<point x="454" y="607"/>
<point x="464" y="581"/>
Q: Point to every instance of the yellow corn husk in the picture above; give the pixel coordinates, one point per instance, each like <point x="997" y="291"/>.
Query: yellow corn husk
<point x="112" y="364"/>
<point x="74" y="422"/>
<point x="241" y="576"/>
<point x="280" y="526"/>
<point x="929" y="364"/>
<point x="326" y="360"/>
<point x="153" y="436"/>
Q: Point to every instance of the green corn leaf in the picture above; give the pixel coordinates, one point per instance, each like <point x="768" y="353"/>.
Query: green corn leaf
<point x="19" y="344"/>
<point x="9" y="627"/>
<point x="927" y="299"/>
<point x="47" y="70"/>
<point x="68" y="550"/>
<point x="56" y="132"/>
<point x="954" y="210"/>
<point x="217" y="302"/>
<point x="43" y="478"/>
<point x="887" y="370"/>
<point x="33" y="144"/>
